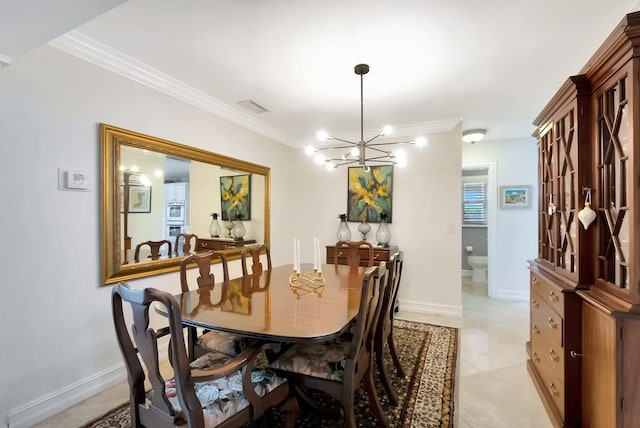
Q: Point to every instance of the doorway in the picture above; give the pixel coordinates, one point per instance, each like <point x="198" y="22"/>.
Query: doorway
<point x="488" y="168"/>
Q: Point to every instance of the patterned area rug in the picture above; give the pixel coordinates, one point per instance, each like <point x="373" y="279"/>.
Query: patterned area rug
<point x="425" y="396"/>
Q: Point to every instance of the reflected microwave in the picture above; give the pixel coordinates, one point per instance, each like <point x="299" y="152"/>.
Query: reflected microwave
<point x="176" y="212"/>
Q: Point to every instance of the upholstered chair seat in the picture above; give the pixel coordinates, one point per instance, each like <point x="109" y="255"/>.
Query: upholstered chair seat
<point x="324" y="360"/>
<point x="223" y="398"/>
<point x="226" y="343"/>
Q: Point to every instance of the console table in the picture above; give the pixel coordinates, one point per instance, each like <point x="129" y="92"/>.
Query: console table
<point x="206" y="244"/>
<point x="380" y="254"/>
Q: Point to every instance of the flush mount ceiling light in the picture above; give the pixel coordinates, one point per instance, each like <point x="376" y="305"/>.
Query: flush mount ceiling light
<point x="357" y="151"/>
<point x="473" y="135"/>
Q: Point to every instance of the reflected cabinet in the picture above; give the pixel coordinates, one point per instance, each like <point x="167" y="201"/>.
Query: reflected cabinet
<point x="584" y="287"/>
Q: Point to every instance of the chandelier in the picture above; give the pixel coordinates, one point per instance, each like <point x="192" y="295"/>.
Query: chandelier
<point x="357" y="151"/>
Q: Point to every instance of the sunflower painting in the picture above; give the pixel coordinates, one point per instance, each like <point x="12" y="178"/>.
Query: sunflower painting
<point x="370" y="193"/>
<point x="235" y="197"/>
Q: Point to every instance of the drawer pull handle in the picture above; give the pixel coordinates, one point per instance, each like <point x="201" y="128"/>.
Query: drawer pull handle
<point x="340" y="254"/>
<point x="535" y="282"/>
<point x="552" y="323"/>
<point x="535" y="357"/>
<point x="553" y="296"/>
<point x="553" y="356"/>
<point x="535" y="329"/>
<point x="574" y="354"/>
<point x="535" y="303"/>
<point x="204" y="244"/>
<point x="376" y="255"/>
<point x="554" y="391"/>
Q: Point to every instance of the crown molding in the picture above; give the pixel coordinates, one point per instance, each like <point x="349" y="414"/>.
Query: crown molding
<point x="88" y="49"/>
<point x="77" y="44"/>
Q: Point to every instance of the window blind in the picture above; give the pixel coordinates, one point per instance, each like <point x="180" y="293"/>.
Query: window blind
<point x="474" y="202"/>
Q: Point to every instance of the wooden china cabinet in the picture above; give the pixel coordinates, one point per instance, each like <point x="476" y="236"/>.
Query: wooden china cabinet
<point x="563" y="252"/>
<point x="584" y="348"/>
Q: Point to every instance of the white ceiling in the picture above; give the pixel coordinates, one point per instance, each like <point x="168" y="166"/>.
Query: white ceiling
<point x="493" y="64"/>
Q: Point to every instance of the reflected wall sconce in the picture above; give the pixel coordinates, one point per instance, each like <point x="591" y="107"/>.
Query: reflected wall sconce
<point x="473" y="135"/>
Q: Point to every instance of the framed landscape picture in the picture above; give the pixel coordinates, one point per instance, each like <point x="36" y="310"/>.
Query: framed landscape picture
<point x="515" y="196"/>
<point x="370" y="193"/>
<point x="235" y="197"/>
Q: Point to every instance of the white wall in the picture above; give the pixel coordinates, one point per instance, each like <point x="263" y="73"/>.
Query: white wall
<point x="58" y="341"/>
<point x="426" y="219"/>
<point x="515" y="234"/>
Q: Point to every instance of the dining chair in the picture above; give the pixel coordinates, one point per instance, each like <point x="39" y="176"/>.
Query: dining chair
<point x="351" y="250"/>
<point x="384" y="330"/>
<point x="214" y="391"/>
<point x="203" y="260"/>
<point x="154" y="247"/>
<point x="252" y="254"/>
<point x="186" y="246"/>
<point x="226" y="343"/>
<point x="339" y="366"/>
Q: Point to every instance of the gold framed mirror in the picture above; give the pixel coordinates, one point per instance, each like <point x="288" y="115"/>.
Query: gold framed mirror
<point x="141" y="176"/>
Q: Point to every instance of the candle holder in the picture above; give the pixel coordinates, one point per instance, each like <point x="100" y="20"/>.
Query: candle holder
<point x="307" y="283"/>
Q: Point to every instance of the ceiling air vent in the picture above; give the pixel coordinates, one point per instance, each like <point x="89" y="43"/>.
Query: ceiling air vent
<point x="252" y="106"/>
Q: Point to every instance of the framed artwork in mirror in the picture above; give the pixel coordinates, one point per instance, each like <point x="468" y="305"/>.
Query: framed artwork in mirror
<point x="235" y="197"/>
<point x="139" y="199"/>
<point x="515" y="196"/>
<point x="370" y="193"/>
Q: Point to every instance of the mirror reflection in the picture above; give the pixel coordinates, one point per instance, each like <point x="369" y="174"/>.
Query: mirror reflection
<point x="171" y="197"/>
<point x="163" y="200"/>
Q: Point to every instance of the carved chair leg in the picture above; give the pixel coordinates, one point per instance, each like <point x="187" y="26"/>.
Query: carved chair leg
<point x="348" y="413"/>
<point x="384" y="376"/>
<point x="373" y="399"/>
<point x="290" y="408"/>
<point x="310" y="402"/>
<point x="394" y="355"/>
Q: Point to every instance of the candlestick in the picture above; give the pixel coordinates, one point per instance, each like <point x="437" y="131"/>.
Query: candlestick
<point x="298" y="254"/>
<point x="319" y="256"/>
<point x="295" y="255"/>
<point x="315" y="254"/>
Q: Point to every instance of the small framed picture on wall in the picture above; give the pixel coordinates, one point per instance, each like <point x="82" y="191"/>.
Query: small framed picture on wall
<point x="515" y="196"/>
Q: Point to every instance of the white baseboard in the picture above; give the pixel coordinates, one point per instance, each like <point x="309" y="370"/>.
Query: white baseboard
<point x="57" y="401"/>
<point x="40" y="409"/>
<point x="426" y="308"/>
<point x="518" y="296"/>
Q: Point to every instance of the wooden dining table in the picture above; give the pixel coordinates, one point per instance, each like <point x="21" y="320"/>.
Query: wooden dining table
<point x="270" y="306"/>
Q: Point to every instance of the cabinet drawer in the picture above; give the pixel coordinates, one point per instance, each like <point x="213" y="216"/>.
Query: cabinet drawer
<point x="550" y="293"/>
<point x="544" y="320"/>
<point x="551" y="352"/>
<point x="379" y="255"/>
<point x="213" y="244"/>
<point x="552" y="384"/>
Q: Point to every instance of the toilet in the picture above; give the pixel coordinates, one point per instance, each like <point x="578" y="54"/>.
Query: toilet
<point x="479" y="265"/>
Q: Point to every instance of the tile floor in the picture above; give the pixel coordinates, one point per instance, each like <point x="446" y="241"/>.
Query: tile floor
<point x="493" y="387"/>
